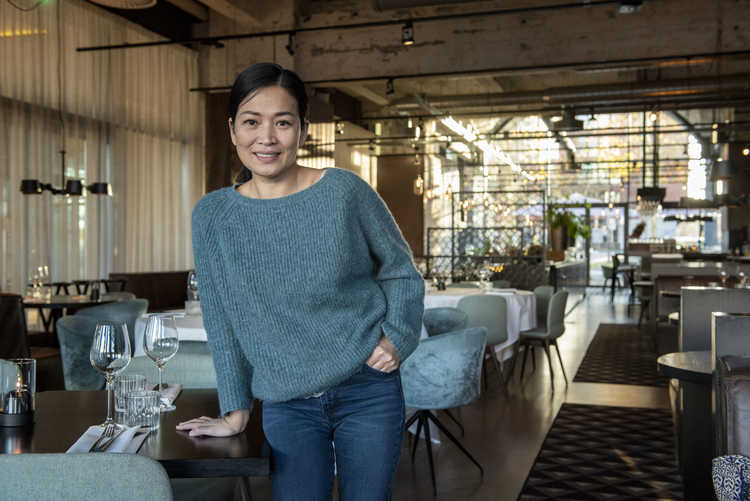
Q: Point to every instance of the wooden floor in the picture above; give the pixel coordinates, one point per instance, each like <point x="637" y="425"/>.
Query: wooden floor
<point x="506" y="433"/>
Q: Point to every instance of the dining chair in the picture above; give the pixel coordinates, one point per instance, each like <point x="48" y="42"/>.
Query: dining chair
<point x="731" y="477"/>
<point x="547" y="335"/>
<point x="114" y="284"/>
<point x="501" y="284"/>
<point x="445" y="319"/>
<point x="13" y="342"/>
<point x="75" y="334"/>
<point x="115" y="477"/>
<point x="491" y="312"/>
<point x="542" y="294"/>
<point x="125" y="312"/>
<point x="442" y="373"/>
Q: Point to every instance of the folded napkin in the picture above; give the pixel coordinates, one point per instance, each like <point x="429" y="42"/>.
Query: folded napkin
<point x="129" y="441"/>
<point x="501" y="291"/>
<point x="170" y="393"/>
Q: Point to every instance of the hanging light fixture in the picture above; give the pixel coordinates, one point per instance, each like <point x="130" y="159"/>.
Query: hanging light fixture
<point x="407" y="34"/>
<point x="69" y="187"/>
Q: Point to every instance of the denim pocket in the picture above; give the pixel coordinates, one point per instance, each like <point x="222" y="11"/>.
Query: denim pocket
<point x="367" y="368"/>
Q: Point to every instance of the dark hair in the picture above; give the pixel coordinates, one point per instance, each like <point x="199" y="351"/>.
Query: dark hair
<point x="262" y="75"/>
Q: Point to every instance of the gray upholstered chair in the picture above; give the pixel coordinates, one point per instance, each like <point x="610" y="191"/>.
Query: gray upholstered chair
<point x="442" y="373"/>
<point x="547" y="335"/>
<point x="491" y="312"/>
<point x="75" y="333"/>
<point x="192" y="367"/>
<point x="115" y="477"/>
<point x="125" y="312"/>
<point x="446" y="319"/>
<point x="501" y="284"/>
<point x="731" y="477"/>
<point x="543" y="293"/>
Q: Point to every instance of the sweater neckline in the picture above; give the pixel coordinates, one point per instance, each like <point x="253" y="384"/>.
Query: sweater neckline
<point x="296" y="197"/>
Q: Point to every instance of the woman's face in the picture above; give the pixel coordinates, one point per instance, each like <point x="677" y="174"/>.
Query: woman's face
<point x="267" y="132"/>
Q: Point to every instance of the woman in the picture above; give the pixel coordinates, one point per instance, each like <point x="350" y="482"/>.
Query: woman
<point x="310" y="300"/>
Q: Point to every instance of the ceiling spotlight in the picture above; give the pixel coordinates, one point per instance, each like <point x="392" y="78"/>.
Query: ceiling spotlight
<point x="339" y="128"/>
<point x="652" y="116"/>
<point x="389" y="87"/>
<point x="290" y="44"/>
<point x="407" y="33"/>
<point x="745" y="152"/>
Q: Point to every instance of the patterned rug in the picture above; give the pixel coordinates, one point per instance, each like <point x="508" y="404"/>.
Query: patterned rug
<point x="620" y="354"/>
<point x="597" y="452"/>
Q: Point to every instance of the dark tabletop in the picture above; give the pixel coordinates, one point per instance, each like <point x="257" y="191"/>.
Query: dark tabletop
<point x="68" y="302"/>
<point x="63" y="416"/>
<point x="693" y="366"/>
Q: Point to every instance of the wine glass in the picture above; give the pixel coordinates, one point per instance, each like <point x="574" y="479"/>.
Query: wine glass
<point x="192" y="287"/>
<point x="742" y="278"/>
<point x="723" y="275"/>
<point x="110" y="354"/>
<point x="485" y="273"/>
<point x="160" y="342"/>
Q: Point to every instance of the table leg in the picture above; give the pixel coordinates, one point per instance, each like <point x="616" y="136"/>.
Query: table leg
<point x="696" y="441"/>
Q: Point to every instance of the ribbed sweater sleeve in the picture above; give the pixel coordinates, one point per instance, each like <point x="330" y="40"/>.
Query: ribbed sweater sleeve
<point x="397" y="276"/>
<point x="233" y="372"/>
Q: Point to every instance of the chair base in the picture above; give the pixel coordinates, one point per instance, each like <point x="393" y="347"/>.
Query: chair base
<point x="423" y="418"/>
<point x="529" y="343"/>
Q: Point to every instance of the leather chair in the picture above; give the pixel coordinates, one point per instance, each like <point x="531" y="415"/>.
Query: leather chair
<point x="13" y="342"/>
<point x="115" y="477"/>
<point x="442" y="373"/>
<point x="441" y="320"/>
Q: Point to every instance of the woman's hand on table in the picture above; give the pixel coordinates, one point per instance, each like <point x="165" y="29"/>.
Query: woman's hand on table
<point x="231" y="424"/>
<point x="384" y="357"/>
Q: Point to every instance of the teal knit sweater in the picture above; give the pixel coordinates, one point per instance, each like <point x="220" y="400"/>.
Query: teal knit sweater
<point x="296" y="291"/>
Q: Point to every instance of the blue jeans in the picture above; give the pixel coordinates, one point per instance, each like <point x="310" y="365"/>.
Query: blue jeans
<point x="358" y="425"/>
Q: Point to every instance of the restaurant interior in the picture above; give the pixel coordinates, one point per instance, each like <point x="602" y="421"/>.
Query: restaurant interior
<point x="582" y="167"/>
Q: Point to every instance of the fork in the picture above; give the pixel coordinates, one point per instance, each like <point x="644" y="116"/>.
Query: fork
<point x="108" y="431"/>
<point x="106" y="443"/>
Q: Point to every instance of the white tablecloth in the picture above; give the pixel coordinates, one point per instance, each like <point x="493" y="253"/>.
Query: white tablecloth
<point x="189" y="328"/>
<point x="521" y="307"/>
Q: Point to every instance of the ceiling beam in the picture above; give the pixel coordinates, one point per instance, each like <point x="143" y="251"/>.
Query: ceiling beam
<point x="364" y="93"/>
<point x="231" y="9"/>
<point x="195" y="9"/>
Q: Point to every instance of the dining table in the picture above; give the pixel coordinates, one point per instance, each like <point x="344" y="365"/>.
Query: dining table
<point x="60" y="305"/>
<point x="521" y="306"/>
<point x="61" y="417"/>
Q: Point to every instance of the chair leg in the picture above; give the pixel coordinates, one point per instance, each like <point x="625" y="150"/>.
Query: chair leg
<point x="499" y="371"/>
<point x="523" y="363"/>
<point x="453" y="439"/>
<point x="411" y="419"/>
<point x="484" y="368"/>
<point x="428" y="443"/>
<point x="453" y="418"/>
<point x="533" y="359"/>
<point x="559" y="357"/>
<point x="416" y="437"/>
<point x="516" y="347"/>
<point x="549" y="360"/>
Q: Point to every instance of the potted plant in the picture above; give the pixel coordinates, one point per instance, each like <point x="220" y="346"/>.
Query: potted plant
<point x="565" y="228"/>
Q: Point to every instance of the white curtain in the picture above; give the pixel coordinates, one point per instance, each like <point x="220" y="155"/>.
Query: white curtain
<point x="125" y="117"/>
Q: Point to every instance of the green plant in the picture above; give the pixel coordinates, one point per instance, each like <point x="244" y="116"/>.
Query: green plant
<point x="572" y="224"/>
